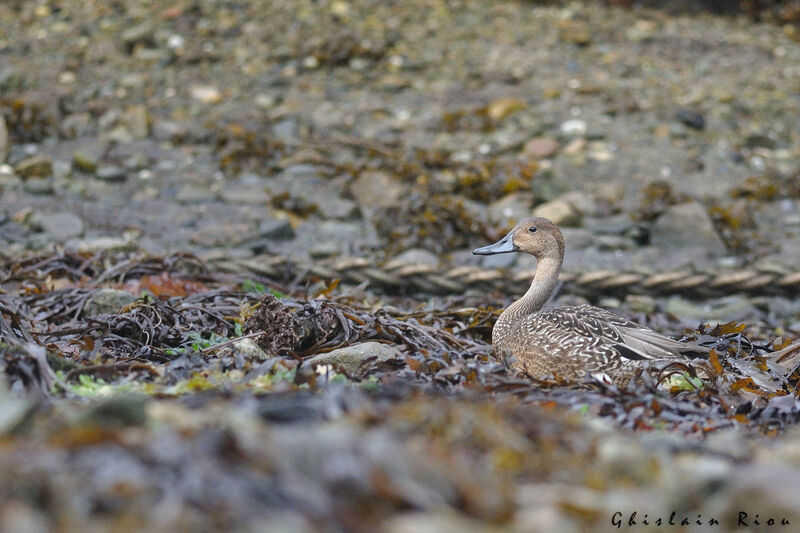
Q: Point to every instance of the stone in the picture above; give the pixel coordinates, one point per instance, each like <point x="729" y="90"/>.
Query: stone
<point x="275" y="228"/>
<point x="107" y="301"/>
<point x="375" y="188"/>
<point x="4" y="146"/>
<point x="336" y="207"/>
<point x="168" y="130"/>
<point x="575" y="32"/>
<point x="690" y="118"/>
<point x="111" y="173"/>
<point x="503" y="108"/>
<point x="686" y="225"/>
<point x="286" y="131"/>
<point x="560" y="211"/>
<point x="722" y="310"/>
<point x="75" y="125"/>
<point x="355" y="360"/>
<point x="206" y="94"/>
<point x="541" y="147"/>
<point x="61" y="226"/>
<point x="140" y="33"/>
<point x="245" y="194"/>
<point x="136" y="121"/>
<point x="250" y="349"/>
<point x="573" y="128"/>
<point x="84" y="161"/>
<point x="417" y="256"/>
<point x="38" y="186"/>
<point x="510" y="209"/>
<point x="36" y="166"/>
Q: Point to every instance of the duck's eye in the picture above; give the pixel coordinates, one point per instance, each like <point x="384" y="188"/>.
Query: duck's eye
<point x="532" y="229"/>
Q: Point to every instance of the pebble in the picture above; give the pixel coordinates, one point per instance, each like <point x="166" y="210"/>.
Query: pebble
<point x="690" y="118"/>
<point x="686" y="225"/>
<point x="417" y="256"/>
<point x="250" y="349"/>
<point x="541" y="147"/>
<point x="245" y="194"/>
<point x="61" y="226"/>
<point x="509" y="209"/>
<point x="38" y="186"/>
<point x="275" y="228"/>
<point x="84" y="161"/>
<point x="111" y="173"/>
<point x="354" y="360"/>
<point x="377" y="188"/>
<point x="169" y="130"/>
<point x="3" y="139"/>
<point x="37" y="166"/>
<point x="107" y="301"/>
<point x="560" y="211"/>
<point x="136" y="121"/>
<point x="573" y="127"/>
<point x="206" y="94"/>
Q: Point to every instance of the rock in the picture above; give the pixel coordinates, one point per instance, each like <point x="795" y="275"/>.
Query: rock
<point x="275" y="228"/>
<point x="140" y="33"/>
<point x="686" y="225"/>
<point x="245" y="194"/>
<point x="107" y="301"/>
<point x="84" y="161"/>
<point x="3" y="139"/>
<point x="354" y="360"/>
<point x="111" y="173"/>
<point x="503" y="108"/>
<point x="541" y="147"/>
<point x="37" y="166"/>
<point x="509" y="209"/>
<point x="375" y="188"/>
<point x="324" y="249"/>
<point x="92" y="246"/>
<point x="577" y="238"/>
<point x="575" y="32"/>
<point x="690" y="118"/>
<point x="560" y="211"/>
<point x="61" y="226"/>
<point x="75" y="125"/>
<point x="759" y="140"/>
<point x="136" y="121"/>
<point x="168" y="130"/>
<point x="250" y="349"/>
<point x="337" y="207"/>
<point x="573" y="128"/>
<point x="499" y="261"/>
<point x="286" y="131"/>
<point x="723" y="310"/>
<point x="38" y="186"/>
<point x="206" y="94"/>
<point x="417" y="256"/>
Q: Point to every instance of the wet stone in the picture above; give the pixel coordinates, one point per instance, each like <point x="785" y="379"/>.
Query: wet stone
<point x="111" y="173"/>
<point x="417" y="256"/>
<point x="61" y="226"/>
<point x="686" y="225"/>
<point x="168" y="130"/>
<point x="275" y="228"/>
<point x="541" y="147"/>
<point x="508" y="210"/>
<point x="690" y="118"/>
<point x="37" y="166"/>
<point x="3" y="139"/>
<point x="354" y="360"/>
<point x="84" y="161"/>
<point x="375" y="188"/>
<point x="559" y="211"/>
<point x="107" y="301"/>
<point x="38" y="186"/>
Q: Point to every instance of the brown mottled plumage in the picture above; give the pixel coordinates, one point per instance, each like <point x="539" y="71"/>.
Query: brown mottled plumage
<point x="570" y="341"/>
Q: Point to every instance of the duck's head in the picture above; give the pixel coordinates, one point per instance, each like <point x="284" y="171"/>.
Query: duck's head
<point x="537" y="236"/>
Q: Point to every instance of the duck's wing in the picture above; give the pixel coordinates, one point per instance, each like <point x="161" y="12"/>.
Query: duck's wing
<point x="601" y="327"/>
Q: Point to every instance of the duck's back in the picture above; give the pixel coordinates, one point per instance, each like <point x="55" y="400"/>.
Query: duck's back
<point x="570" y="341"/>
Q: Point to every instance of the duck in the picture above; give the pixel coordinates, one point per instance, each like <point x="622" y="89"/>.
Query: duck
<point x="574" y="342"/>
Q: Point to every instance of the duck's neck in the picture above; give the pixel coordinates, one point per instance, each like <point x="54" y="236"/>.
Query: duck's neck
<point x="544" y="281"/>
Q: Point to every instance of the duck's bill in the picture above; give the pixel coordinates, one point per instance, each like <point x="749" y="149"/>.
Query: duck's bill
<point x="503" y="246"/>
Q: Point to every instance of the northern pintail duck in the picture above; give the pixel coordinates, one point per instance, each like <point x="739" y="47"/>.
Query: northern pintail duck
<point x="570" y="342"/>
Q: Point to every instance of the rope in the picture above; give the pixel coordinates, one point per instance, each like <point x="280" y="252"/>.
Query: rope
<point x="396" y="277"/>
